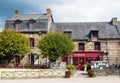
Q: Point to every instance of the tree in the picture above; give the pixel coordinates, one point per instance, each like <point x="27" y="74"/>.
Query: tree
<point x="55" y="45"/>
<point x="12" y="43"/>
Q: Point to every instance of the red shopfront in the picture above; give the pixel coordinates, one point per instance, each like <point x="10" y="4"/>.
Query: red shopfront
<point x="81" y="58"/>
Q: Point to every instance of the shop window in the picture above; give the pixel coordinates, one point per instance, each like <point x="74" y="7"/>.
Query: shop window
<point x="97" y="46"/>
<point x="88" y="60"/>
<point x="81" y="46"/>
<point x="94" y="35"/>
<point x="81" y="61"/>
<point x="32" y="41"/>
<point x="75" y="61"/>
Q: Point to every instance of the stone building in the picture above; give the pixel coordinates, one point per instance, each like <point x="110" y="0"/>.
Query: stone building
<point x="93" y="40"/>
<point x="34" y="26"/>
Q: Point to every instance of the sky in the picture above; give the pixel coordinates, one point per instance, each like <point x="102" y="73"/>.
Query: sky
<point x="63" y="10"/>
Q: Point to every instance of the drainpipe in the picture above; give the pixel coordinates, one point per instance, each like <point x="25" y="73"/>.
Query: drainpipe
<point x="30" y="57"/>
<point x="107" y="51"/>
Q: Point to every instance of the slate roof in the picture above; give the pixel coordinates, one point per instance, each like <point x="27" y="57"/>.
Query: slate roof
<point x="41" y="22"/>
<point x="81" y="30"/>
<point x="29" y="16"/>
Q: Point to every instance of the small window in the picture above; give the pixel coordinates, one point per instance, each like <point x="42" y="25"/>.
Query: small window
<point x="94" y="35"/>
<point x="81" y="46"/>
<point x="31" y="24"/>
<point x="32" y="42"/>
<point x="68" y="33"/>
<point x="17" y="25"/>
<point x="17" y="59"/>
<point x="97" y="46"/>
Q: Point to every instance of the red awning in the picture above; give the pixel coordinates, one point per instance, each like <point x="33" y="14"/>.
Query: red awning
<point x="87" y="54"/>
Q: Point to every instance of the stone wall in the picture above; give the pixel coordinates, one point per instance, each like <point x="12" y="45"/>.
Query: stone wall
<point x="34" y="49"/>
<point x="113" y="47"/>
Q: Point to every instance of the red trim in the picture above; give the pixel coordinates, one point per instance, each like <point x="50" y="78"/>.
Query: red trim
<point x="92" y="54"/>
<point x="86" y="56"/>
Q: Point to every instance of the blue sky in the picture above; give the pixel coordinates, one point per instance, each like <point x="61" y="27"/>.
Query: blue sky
<point x="63" y="10"/>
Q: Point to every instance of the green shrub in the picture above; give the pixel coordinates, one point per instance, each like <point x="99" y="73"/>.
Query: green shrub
<point x="70" y="67"/>
<point x="91" y="73"/>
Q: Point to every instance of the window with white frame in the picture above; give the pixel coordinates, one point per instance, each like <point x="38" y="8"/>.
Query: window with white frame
<point x="17" y="25"/>
<point x="94" y="35"/>
<point x="31" y="24"/>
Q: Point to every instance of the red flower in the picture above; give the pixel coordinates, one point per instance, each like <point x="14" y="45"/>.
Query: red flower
<point x="67" y="72"/>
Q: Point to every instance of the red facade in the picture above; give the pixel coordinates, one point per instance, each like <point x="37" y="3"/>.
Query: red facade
<point x="81" y="58"/>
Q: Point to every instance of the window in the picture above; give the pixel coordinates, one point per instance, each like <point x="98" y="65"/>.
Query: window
<point x="31" y="58"/>
<point x="97" y="46"/>
<point x="68" y="33"/>
<point x="89" y="59"/>
<point x="81" y="46"/>
<point x="94" y="35"/>
<point x="17" y="25"/>
<point x="31" y="42"/>
<point x="17" y="59"/>
<point x="81" y="61"/>
<point x="31" y="24"/>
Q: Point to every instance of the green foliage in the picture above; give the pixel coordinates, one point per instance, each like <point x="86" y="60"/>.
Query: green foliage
<point x="55" y="45"/>
<point x="12" y="43"/>
<point x="70" y="67"/>
<point x="91" y="73"/>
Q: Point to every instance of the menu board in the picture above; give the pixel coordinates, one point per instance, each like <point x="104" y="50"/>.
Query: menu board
<point x="99" y="65"/>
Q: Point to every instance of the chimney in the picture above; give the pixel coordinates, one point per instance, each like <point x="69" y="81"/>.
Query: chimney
<point x="48" y="11"/>
<point x="114" y="21"/>
<point x="17" y="12"/>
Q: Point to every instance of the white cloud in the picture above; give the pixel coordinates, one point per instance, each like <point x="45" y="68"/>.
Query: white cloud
<point x="78" y="10"/>
<point x="73" y="10"/>
<point x="86" y="10"/>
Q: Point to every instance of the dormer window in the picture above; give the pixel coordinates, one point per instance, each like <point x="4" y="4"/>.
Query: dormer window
<point x="31" y="24"/>
<point x="68" y="33"/>
<point x="17" y="25"/>
<point x="94" y="35"/>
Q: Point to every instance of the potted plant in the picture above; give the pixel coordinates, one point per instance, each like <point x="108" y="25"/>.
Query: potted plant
<point x="71" y="68"/>
<point x="91" y="73"/>
<point x="67" y="74"/>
